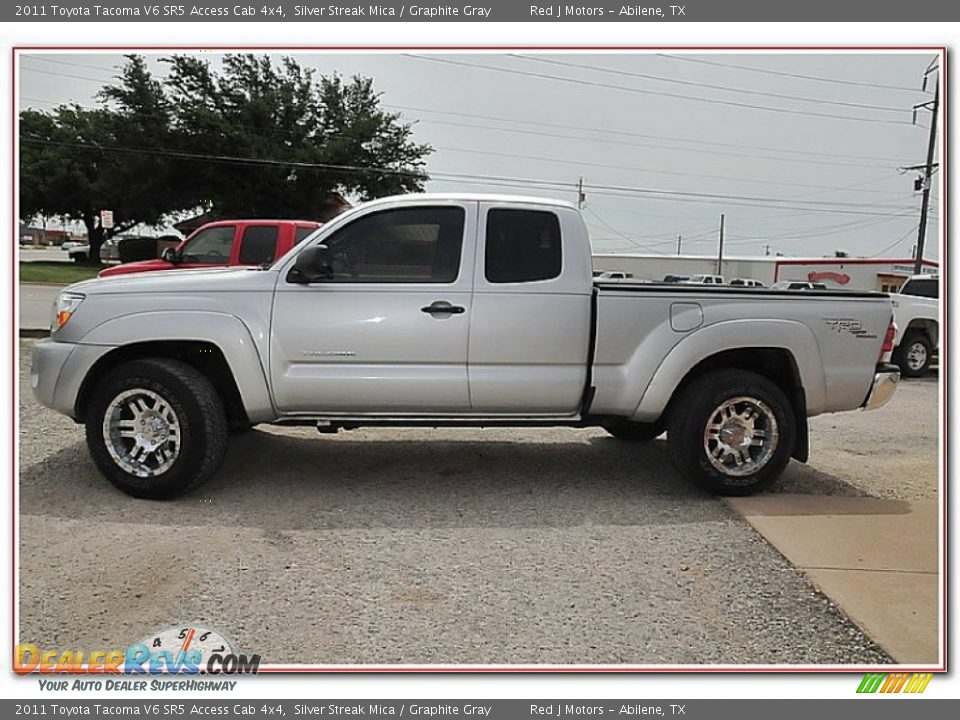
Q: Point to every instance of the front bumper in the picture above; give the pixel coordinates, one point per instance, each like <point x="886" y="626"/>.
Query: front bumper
<point x="57" y="371"/>
<point x="884" y="385"/>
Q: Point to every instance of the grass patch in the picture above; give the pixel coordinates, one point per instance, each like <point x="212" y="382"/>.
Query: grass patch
<point x="59" y="273"/>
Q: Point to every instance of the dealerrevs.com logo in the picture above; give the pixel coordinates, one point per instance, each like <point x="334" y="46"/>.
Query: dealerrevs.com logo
<point x="181" y="649"/>
<point x="909" y="683"/>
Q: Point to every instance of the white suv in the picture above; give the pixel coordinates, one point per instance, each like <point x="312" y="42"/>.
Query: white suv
<point x="916" y="311"/>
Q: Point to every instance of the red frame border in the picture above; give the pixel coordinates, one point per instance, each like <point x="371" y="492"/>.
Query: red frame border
<point x="941" y="50"/>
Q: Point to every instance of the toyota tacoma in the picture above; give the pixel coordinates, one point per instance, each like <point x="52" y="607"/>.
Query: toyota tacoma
<point x="453" y="310"/>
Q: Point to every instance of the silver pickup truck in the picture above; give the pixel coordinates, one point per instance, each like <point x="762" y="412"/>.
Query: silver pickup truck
<point x="453" y="310"/>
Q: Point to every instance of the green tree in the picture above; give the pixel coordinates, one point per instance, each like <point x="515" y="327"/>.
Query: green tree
<point x="75" y="161"/>
<point x="287" y="139"/>
<point x="254" y="139"/>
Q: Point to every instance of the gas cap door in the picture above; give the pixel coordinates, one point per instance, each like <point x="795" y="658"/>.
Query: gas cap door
<point x="685" y="316"/>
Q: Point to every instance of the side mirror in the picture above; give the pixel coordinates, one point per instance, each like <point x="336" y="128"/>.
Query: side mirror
<point x="311" y="265"/>
<point x="170" y="255"/>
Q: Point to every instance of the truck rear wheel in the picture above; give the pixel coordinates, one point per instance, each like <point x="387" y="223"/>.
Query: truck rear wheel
<point x="156" y="428"/>
<point x="914" y="354"/>
<point x="731" y="431"/>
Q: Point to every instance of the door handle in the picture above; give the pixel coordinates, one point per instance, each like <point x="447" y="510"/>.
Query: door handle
<point x="442" y="307"/>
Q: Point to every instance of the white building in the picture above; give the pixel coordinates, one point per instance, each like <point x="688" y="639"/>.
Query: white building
<point x="883" y="274"/>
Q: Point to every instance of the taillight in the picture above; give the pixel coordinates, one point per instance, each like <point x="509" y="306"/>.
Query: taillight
<point x="888" y="339"/>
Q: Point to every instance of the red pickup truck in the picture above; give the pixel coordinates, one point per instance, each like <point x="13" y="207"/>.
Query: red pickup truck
<point x="223" y="243"/>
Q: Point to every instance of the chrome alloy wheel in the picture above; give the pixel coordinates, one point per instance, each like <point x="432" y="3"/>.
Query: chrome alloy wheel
<point x="916" y="356"/>
<point x="741" y="436"/>
<point x="141" y="432"/>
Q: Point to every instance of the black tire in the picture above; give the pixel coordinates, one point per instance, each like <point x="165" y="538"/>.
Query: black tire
<point x="197" y="408"/>
<point x="79" y="258"/>
<point x="699" y="402"/>
<point x="907" y="359"/>
<point x="634" y="431"/>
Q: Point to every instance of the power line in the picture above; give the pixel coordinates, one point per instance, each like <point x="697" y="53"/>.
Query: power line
<point x="611" y="131"/>
<point x="615" y="190"/>
<point x="691" y="83"/>
<point x="657" y="146"/>
<point x="584" y="163"/>
<point x="41" y="58"/>
<point x="623" y="235"/>
<point x="66" y="75"/>
<point x="800" y="76"/>
<point x="622" y="88"/>
<point x="822" y="232"/>
<point x="903" y="237"/>
<point x="559" y="125"/>
<point x="629" y="192"/>
<point x="514" y="120"/>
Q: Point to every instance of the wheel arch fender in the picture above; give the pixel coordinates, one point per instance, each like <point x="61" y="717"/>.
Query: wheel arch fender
<point x="928" y="327"/>
<point x="228" y="333"/>
<point x="790" y="336"/>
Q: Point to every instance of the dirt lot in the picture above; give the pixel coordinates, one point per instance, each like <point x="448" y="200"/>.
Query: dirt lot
<point x="469" y="546"/>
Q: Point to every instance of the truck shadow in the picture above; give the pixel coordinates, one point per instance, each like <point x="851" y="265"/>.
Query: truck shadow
<point x="295" y="480"/>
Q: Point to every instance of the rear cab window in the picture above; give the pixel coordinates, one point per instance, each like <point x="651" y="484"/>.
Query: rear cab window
<point x="522" y="246"/>
<point x="258" y="244"/>
<point x="302" y="233"/>
<point x="922" y="287"/>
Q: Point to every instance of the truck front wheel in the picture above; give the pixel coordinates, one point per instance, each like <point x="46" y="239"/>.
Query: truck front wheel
<point x="731" y="431"/>
<point x="156" y="428"/>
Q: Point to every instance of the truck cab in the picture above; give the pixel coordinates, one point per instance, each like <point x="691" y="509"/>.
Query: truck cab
<point x="496" y="293"/>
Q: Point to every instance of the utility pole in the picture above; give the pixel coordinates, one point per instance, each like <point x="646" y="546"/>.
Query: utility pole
<point x="768" y="250"/>
<point x="581" y="198"/>
<point x="720" y="254"/>
<point x="679" y="243"/>
<point x="933" y="107"/>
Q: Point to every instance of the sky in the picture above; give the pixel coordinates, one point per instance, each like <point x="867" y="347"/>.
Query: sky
<point x="802" y="153"/>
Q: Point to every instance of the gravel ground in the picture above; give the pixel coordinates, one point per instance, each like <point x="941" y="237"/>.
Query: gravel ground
<point x="887" y="453"/>
<point x="446" y="546"/>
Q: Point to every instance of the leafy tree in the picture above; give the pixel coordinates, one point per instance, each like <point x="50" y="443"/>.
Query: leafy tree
<point x="75" y="161"/>
<point x="254" y="139"/>
<point x="287" y="139"/>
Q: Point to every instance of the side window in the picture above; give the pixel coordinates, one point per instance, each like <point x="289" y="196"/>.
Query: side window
<point x="302" y="234"/>
<point x="522" y="246"/>
<point x="258" y="244"/>
<point x="212" y="245"/>
<point x="408" y="245"/>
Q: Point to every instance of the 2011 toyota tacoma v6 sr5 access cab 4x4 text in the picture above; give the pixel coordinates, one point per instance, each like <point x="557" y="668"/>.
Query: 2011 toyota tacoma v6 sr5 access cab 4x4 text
<point x="453" y="310"/>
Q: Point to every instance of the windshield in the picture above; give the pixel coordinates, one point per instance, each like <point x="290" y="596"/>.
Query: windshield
<point x="212" y="245"/>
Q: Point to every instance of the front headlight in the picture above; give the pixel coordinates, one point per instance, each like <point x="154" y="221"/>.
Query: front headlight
<point x="66" y="304"/>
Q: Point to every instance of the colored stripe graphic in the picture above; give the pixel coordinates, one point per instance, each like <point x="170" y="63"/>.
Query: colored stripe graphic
<point x="894" y="682"/>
